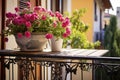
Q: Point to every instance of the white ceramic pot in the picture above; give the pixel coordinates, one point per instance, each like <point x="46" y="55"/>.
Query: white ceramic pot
<point x="37" y="42"/>
<point x="56" y="44"/>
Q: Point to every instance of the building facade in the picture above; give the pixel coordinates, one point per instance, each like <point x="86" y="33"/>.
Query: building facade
<point x="118" y="17"/>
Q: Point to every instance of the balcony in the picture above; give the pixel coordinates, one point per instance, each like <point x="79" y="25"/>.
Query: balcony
<point x="72" y="64"/>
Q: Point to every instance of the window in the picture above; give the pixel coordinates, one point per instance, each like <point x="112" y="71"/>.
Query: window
<point x="38" y="2"/>
<point x="95" y="11"/>
<point x="54" y="5"/>
<point x="117" y="12"/>
<point x="22" y="4"/>
<point x="57" y="5"/>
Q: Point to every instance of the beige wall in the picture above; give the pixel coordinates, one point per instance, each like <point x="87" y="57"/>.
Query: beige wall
<point x="10" y="5"/>
<point x="11" y="44"/>
<point x="32" y="2"/>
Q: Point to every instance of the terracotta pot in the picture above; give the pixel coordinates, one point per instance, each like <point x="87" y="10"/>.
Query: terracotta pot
<point x="37" y="42"/>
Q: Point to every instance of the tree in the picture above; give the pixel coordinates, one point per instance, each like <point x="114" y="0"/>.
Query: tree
<point x="112" y="38"/>
<point x="78" y="38"/>
<point x="116" y="44"/>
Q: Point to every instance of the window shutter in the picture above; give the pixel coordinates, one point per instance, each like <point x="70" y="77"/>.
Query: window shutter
<point x="22" y="3"/>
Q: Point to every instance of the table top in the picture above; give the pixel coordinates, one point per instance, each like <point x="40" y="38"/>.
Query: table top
<point x="65" y="53"/>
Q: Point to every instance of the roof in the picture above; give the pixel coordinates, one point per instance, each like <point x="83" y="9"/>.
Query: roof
<point x="107" y="4"/>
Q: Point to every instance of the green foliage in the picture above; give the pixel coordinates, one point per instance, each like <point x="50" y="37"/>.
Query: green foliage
<point x="112" y="38"/>
<point x="78" y="37"/>
<point x="116" y="44"/>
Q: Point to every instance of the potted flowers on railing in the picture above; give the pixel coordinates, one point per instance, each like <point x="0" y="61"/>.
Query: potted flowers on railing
<point x="26" y="24"/>
<point x="58" y="31"/>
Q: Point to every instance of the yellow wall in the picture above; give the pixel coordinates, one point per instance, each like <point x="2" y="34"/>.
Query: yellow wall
<point x="88" y="17"/>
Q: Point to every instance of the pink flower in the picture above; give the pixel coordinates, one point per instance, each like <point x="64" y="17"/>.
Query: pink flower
<point x="58" y="14"/>
<point x="68" y="31"/>
<point x="27" y="34"/>
<point x="54" y="24"/>
<point x="28" y="4"/>
<point x="8" y="22"/>
<point x="26" y="21"/>
<point x="43" y="9"/>
<point x="37" y="8"/>
<point x="27" y="16"/>
<point x="51" y="13"/>
<point x="16" y="9"/>
<point x="11" y="15"/>
<point x="18" y="21"/>
<point x="61" y="19"/>
<point x="19" y="35"/>
<point x="65" y="35"/>
<point x="28" y="24"/>
<point x="44" y="17"/>
<point x="33" y="17"/>
<point x="48" y="36"/>
<point x="66" y="22"/>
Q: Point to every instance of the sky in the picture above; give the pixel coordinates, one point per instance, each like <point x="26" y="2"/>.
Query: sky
<point x="115" y="4"/>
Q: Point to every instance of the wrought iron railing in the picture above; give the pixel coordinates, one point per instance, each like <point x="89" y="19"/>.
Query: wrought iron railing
<point x="56" y="67"/>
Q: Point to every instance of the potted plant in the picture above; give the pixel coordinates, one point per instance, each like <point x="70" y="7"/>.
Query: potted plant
<point x="26" y="23"/>
<point x="59" y="31"/>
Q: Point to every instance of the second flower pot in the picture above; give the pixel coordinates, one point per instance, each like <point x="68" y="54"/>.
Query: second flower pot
<point x="56" y="44"/>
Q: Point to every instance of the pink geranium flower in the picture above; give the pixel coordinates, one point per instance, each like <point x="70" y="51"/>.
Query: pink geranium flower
<point x="61" y="19"/>
<point x="37" y="8"/>
<point x="49" y="36"/>
<point x="18" y="21"/>
<point x="54" y="24"/>
<point x="27" y="34"/>
<point x="28" y="24"/>
<point x="43" y="17"/>
<point x="51" y="13"/>
<point x="8" y="22"/>
<point x="39" y="20"/>
<point x="34" y="17"/>
<point x="65" y="35"/>
<point x="43" y="9"/>
<point x="16" y="9"/>
<point x="68" y="31"/>
<point x="66" y="22"/>
<point x="19" y="35"/>
<point x="28" y="4"/>
<point x="11" y="15"/>
<point x="27" y="16"/>
<point x="58" y="14"/>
